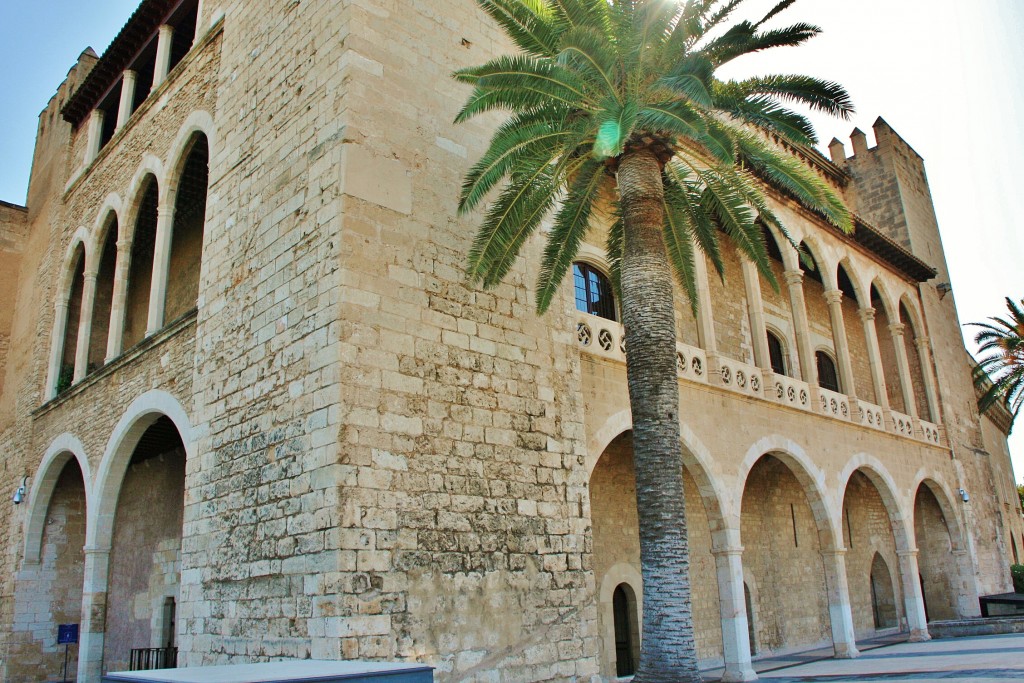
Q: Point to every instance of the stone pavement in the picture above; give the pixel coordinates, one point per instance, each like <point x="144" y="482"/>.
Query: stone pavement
<point x="977" y="659"/>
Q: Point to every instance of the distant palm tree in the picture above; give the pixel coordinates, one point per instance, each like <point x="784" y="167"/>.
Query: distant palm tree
<point x="1000" y="374"/>
<point x="615" y="108"/>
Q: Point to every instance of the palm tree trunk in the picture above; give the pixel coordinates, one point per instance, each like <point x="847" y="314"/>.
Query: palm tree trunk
<point x="668" y="651"/>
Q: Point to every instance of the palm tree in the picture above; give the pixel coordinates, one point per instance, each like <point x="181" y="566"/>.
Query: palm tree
<point x="1000" y="374"/>
<point x="615" y="112"/>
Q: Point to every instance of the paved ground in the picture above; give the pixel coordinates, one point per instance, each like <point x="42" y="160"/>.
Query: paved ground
<point x="975" y="660"/>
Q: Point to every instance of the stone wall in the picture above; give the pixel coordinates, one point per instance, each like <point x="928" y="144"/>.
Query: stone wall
<point x="782" y="560"/>
<point x="867" y="532"/>
<point x="935" y="552"/>
<point x="50" y="592"/>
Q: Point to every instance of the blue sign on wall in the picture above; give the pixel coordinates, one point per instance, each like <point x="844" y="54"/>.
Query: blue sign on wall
<point x="67" y="633"/>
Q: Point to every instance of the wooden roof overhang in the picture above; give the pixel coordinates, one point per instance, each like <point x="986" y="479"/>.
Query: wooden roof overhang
<point x="129" y="43"/>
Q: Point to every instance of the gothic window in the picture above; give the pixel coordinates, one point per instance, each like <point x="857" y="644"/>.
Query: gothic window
<point x="593" y="291"/>
<point x="776" y="353"/>
<point x="827" y="376"/>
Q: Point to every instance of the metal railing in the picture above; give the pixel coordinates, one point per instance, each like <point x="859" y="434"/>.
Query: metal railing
<point x="149" y="658"/>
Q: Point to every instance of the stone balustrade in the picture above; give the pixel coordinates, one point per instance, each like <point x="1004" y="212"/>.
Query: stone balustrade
<point x="607" y="339"/>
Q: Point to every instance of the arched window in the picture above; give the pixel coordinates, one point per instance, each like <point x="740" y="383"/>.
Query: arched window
<point x="828" y="378"/>
<point x="627" y="642"/>
<point x="776" y="353"/>
<point x="593" y="291"/>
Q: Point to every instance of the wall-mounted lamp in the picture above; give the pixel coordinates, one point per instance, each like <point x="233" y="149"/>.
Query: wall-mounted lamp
<point x="964" y="497"/>
<point x="943" y="288"/>
<point x="22" y="491"/>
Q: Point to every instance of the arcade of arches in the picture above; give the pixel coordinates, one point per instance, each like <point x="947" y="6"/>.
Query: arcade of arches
<point x="799" y="585"/>
<point x="113" y="566"/>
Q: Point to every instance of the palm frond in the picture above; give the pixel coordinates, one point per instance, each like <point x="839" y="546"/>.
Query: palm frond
<point x="679" y="238"/>
<point x="526" y="22"/>
<point x="794" y="177"/>
<point x="512" y="218"/>
<point x="571" y="225"/>
<point x="821" y="95"/>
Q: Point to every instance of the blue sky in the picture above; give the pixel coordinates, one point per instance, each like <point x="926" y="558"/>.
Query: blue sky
<point x="948" y="75"/>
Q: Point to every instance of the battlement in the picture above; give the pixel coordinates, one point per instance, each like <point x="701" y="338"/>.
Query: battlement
<point x="885" y="139"/>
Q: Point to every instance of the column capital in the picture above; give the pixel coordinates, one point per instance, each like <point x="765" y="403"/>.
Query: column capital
<point x="922" y="342"/>
<point x="124" y="244"/>
<point x="165" y="211"/>
<point x="62" y="303"/>
<point x="833" y="552"/>
<point x="909" y="552"/>
<point x="794" y="277"/>
<point x="95" y="550"/>
<point x="90" y="275"/>
<point x="130" y="74"/>
<point x="897" y="329"/>
<point x="867" y="314"/>
<point x="834" y="297"/>
<point x="728" y="551"/>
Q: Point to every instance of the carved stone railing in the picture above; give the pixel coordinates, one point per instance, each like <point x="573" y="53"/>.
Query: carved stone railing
<point x="692" y="363"/>
<point x="601" y="337"/>
<point x="930" y="432"/>
<point x="902" y="424"/>
<point x="871" y="415"/>
<point x="606" y="339"/>
<point x="740" y="377"/>
<point x="789" y="391"/>
<point x="834" y="404"/>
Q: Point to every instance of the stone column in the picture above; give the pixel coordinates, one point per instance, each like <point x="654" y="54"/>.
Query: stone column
<point x="834" y="298"/>
<point x="122" y="268"/>
<point x="924" y="354"/>
<point x="808" y="368"/>
<point x="867" y="316"/>
<point x="163" y="54"/>
<point x="60" y="326"/>
<point x="85" y="326"/>
<point x="755" y="308"/>
<point x="161" y="264"/>
<point x="733" y="605"/>
<point x="913" y="600"/>
<point x="94" y="613"/>
<point x="897" y="331"/>
<point x="705" y="316"/>
<point x="124" y="109"/>
<point x="841" y="615"/>
<point x="200" y="30"/>
<point x="93" y="136"/>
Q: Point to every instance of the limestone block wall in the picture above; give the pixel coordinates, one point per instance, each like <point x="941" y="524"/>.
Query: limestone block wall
<point x="782" y="561"/>
<point x="261" y="552"/>
<point x="732" y="324"/>
<point x="50" y="591"/>
<point x="859" y="359"/>
<point x="13" y="229"/>
<point x="935" y="555"/>
<point x="867" y="532"/>
<point x="1004" y="481"/>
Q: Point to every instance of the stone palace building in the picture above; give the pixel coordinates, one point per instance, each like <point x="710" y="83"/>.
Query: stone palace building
<point x="257" y="412"/>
